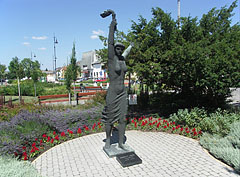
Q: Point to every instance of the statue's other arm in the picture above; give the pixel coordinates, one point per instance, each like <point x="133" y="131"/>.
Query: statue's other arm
<point x="127" y="51"/>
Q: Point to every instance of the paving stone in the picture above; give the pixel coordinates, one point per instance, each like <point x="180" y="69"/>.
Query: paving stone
<point x="162" y="155"/>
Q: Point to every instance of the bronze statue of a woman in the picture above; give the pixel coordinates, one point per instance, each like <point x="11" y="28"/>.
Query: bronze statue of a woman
<point x="116" y="100"/>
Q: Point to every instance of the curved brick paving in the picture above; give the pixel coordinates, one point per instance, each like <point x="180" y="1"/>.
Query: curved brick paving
<point x="162" y="155"/>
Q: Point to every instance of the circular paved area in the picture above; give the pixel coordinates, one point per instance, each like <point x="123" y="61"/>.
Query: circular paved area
<point x="162" y="154"/>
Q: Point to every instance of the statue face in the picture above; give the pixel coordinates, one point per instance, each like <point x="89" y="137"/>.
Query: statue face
<point x="118" y="51"/>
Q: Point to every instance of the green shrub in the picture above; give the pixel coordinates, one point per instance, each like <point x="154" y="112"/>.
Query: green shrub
<point x="225" y="148"/>
<point x="192" y="118"/>
<point x="219" y="122"/>
<point x="11" y="167"/>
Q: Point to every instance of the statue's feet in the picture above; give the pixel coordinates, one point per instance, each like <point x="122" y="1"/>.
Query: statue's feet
<point x="123" y="146"/>
<point x="107" y="144"/>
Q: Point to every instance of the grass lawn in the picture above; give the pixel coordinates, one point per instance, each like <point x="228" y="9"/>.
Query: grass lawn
<point x="27" y="99"/>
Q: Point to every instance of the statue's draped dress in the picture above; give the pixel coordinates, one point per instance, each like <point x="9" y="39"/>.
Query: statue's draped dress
<point x="116" y="100"/>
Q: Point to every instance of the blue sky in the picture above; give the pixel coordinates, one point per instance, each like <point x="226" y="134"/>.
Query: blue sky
<point x="29" y="25"/>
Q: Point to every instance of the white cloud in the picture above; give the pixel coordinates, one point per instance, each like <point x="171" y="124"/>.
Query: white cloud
<point x="42" y="48"/>
<point x="39" y="37"/>
<point x="97" y="33"/>
<point x="94" y="36"/>
<point x="25" y="37"/>
<point x="26" y="43"/>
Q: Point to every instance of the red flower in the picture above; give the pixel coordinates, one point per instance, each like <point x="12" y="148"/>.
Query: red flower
<point x="194" y="129"/>
<point x="34" y="144"/>
<point x="187" y="132"/>
<point x="159" y="119"/>
<point x="200" y="132"/>
<point x="177" y="127"/>
<point x="181" y="129"/>
<point x="165" y="126"/>
<point x="94" y="125"/>
<point x="16" y="154"/>
<point x="56" y="138"/>
<point x="52" y="140"/>
<point x="24" y="154"/>
<point x="194" y="133"/>
<point x="49" y="138"/>
<point x="80" y="131"/>
<point x="158" y="124"/>
<point x="132" y="121"/>
<point x="168" y="124"/>
<point x="54" y="133"/>
<point x="70" y="132"/>
<point x="32" y="151"/>
<point x="25" y="158"/>
<point x="36" y="139"/>
<point x="99" y="123"/>
<point x="41" y="142"/>
<point x="173" y="123"/>
<point x="99" y="126"/>
<point x="44" y="136"/>
<point x="86" y="128"/>
<point x="36" y="149"/>
<point x="173" y="128"/>
<point x="186" y="129"/>
<point x="150" y="124"/>
<point x="63" y="134"/>
<point x="135" y="124"/>
<point x="24" y="147"/>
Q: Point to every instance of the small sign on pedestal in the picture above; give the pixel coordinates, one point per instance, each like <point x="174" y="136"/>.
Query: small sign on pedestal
<point x="128" y="159"/>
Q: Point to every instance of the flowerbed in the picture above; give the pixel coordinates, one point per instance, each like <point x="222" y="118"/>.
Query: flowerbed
<point x="24" y="128"/>
<point x="29" y="151"/>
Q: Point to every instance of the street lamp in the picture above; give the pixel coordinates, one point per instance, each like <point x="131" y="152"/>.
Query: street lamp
<point x="33" y="55"/>
<point x="55" y="57"/>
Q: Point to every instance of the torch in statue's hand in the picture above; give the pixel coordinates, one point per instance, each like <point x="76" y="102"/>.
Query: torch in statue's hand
<point x="107" y="13"/>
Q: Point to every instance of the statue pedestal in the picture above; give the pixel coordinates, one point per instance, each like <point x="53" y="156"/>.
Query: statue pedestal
<point x="114" y="150"/>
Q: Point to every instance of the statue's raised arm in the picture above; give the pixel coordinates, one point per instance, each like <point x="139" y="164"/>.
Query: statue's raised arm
<point x="113" y="27"/>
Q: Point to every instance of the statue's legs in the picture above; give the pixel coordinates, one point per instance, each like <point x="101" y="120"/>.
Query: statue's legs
<point x="108" y="135"/>
<point x="121" y="133"/>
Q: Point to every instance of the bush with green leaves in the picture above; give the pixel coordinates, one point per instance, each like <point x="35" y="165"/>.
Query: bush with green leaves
<point x="11" y="167"/>
<point x="218" y="122"/>
<point x="191" y="118"/>
<point x="225" y="148"/>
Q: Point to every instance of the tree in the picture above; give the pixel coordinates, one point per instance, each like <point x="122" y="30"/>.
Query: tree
<point x="35" y="74"/>
<point x="2" y="72"/>
<point x="27" y="66"/>
<point x="74" y="67"/>
<point x="16" y="72"/>
<point x="68" y="80"/>
<point x="199" y="60"/>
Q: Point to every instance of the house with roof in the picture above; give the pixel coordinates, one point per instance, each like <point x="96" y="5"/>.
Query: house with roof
<point x="91" y="66"/>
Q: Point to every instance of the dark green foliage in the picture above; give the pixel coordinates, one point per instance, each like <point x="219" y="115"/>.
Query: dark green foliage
<point x="199" y="61"/>
<point x="68" y="78"/>
<point x="16" y="69"/>
<point x="2" y="72"/>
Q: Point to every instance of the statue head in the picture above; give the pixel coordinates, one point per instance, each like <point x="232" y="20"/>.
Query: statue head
<point x="119" y="48"/>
